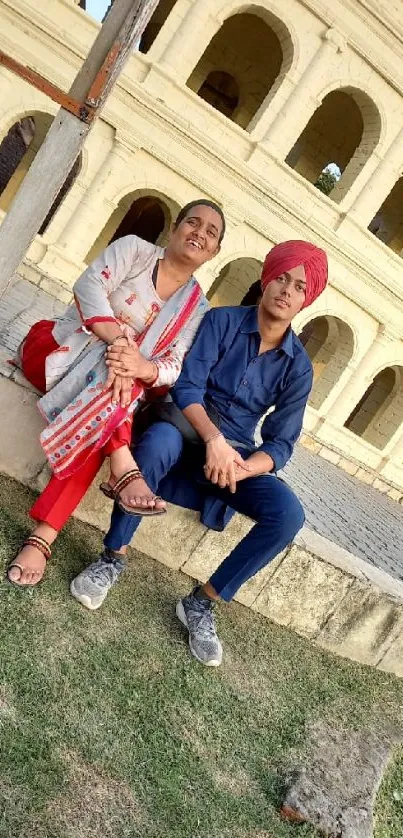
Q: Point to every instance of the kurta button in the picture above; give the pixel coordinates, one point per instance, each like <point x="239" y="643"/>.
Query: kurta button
<point x="245" y="381"/>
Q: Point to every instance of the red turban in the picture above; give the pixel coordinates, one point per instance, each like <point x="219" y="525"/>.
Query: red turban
<point x="287" y="255"/>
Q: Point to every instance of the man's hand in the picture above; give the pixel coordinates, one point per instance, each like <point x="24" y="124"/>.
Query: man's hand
<point x="222" y="461"/>
<point x="259" y="463"/>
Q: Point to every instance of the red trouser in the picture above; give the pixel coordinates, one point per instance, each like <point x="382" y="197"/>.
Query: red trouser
<point x="61" y="497"/>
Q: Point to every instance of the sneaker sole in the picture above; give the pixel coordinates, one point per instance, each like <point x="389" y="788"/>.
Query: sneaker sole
<point x="85" y="600"/>
<point x="180" y="613"/>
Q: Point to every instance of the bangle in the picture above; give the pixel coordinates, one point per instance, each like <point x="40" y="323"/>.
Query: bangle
<point x="118" y="337"/>
<point x="211" y="438"/>
<point x="151" y="380"/>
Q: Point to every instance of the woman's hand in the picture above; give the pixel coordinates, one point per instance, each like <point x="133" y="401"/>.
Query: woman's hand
<point x="121" y="388"/>
<point x="122" y="391"/>
<point x="128" y="362"/>
<point x="121" y="385"/>
<point x="222" y="463"/>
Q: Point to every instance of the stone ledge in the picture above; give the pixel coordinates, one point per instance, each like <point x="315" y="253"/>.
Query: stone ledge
<point x="353" y="467"/>
<point x="315" y="587"/>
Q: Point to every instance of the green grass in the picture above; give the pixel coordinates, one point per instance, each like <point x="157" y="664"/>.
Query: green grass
<point x="109" y="728"/>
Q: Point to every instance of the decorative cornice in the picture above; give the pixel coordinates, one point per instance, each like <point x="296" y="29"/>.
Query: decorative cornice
<point x="330" y="15"/>
<point x="276" y="207"/>
<point x="388" y="334"/>
<point x="249" y="181"/>
<point x="334" y="37"/>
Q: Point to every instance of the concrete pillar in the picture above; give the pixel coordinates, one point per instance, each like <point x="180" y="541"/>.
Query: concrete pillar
<point x="271" y="109"/>
<point x="361" y="378"/>
<point x="395" y="453"/>
<point x="190" y="41"/>
<point x="65" y="257"/>
<point x="168" y="31"/>
<point x="96" y="205"/>
<point x="377" y="189"/>
<point x="303" y="101"/>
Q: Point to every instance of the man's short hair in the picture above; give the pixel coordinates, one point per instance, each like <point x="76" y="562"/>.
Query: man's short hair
<point x="253" y="295"/>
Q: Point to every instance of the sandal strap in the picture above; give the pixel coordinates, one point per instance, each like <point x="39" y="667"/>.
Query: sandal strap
<point x="40" y="544"/>
<point x="127" y="478"/>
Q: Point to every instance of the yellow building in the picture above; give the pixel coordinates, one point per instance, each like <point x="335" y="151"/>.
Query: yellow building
<point x="246" y="104"/>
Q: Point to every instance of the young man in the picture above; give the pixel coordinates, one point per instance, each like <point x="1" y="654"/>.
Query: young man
<point x="242" y="362"/>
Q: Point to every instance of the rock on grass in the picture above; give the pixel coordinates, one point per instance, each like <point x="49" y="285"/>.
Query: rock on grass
<point x="335" y="789"/>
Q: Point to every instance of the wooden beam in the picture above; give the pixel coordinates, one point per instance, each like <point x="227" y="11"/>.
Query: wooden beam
<point x="41" y="83"/>
<point x="64" y="141"/>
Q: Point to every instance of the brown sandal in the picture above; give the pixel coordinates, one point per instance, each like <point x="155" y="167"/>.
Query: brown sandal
<point x="114" y="494"/>
<point x="31" y="541"/>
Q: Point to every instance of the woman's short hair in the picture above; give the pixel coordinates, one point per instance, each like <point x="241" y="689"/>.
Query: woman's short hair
<point x="203" y="202"/>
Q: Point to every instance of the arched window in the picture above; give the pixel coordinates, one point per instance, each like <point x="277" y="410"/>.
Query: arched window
<point x="155" y="24"/>
<point x="387" y="224"/>
<point x="221" y="91"/>
<point x="147" y="216"/>
<point x="329" y="343"/>
<point x="379" y="413"/>
<point x="242" y="64"/>
<point x="345" y="129"/>
<point x="17" y="151"/>
<point x="13" y="150"/>
<point x="234" y="281"/>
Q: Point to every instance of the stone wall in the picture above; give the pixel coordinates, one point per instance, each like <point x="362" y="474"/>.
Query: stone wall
<point x="314" y="587"/>
<point x="157" y="137"/>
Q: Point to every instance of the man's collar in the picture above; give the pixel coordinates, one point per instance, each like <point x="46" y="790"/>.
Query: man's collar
<point x="250" y="325"/>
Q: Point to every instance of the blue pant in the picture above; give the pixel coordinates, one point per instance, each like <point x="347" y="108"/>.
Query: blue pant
<point x="266" y="499"/>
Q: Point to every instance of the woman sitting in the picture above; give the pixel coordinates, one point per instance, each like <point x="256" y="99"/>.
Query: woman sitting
<point x="136" y="296"/>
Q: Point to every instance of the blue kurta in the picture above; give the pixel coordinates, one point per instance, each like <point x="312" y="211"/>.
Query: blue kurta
<point x="224" y="370"/>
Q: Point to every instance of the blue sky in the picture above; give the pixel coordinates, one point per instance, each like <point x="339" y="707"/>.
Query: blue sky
<point x="97" y="8"/>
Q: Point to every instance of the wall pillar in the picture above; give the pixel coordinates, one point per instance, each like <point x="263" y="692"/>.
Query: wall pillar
<point x="168" y="31"/>
<point x="377" y="189"/>
<point x="92" y="213"/>
<point x="271" y="109"/>
<point x="303" y="101"/>
<point x="190" y="41"/>
<point x="395" y="453"/>
<point x="361" y="378"/>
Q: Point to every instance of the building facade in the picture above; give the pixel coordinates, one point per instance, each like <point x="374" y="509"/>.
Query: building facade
<point x="246" y="104"/>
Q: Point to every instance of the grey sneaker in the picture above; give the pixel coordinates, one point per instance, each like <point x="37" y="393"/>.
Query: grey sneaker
<point x="197" y="616"/>
<point x="91" y="586"/>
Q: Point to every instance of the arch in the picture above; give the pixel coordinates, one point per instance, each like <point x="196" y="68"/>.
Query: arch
<point x="345" y="129"/>
<point x="31" y="102"/>
<point x="387" y="224"/>
<point x="18" y="149"/>
<point x="379" y="413"/>
<point x="68" y="183"/>
<point x="155" y="24"/>
<point x="250" y="54"/>
<point x="143" y="213"/>
<point x="233" y="281"/>
<point x="329" y="342"/>
<point x="220" y="90"/>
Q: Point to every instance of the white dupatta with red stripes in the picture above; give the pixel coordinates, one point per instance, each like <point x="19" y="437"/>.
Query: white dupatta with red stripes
<point x="80" y="414"/>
